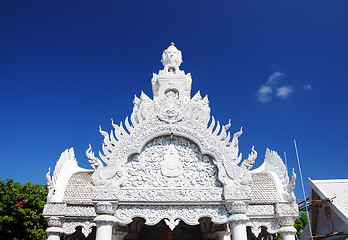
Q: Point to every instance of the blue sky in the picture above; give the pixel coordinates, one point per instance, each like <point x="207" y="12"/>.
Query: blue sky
<point x="277" y="68"/>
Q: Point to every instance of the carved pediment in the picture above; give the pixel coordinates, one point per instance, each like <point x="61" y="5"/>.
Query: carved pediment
<point x="171" y="168"/>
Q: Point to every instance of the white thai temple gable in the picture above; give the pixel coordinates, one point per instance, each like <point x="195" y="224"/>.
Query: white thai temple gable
<point x="171" y="161"/>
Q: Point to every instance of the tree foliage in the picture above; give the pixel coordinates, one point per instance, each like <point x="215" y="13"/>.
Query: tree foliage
<point x="21" y="209"/>
<point x="300" y="223"/>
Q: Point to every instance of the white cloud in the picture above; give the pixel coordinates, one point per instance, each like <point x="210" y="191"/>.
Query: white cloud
<point x="264" y="94"/>
<point x="284" y="92"/>
<point x="275" y="78"/>
<point x="308" y="87"/>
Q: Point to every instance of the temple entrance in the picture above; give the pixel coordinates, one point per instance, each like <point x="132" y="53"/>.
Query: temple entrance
<point x="160" y="231"/>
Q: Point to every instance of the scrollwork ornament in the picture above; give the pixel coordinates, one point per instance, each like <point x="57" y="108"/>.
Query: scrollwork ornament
<point x="271" y="225"/>
<point x="69" y="227"/>
<point x="189" y="214"/>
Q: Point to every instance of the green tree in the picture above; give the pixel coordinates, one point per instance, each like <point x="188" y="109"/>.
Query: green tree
<point x="21" y="209"/>
<point x="300" y="223"/>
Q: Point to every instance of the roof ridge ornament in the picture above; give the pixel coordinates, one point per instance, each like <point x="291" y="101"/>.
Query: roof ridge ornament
<point x="171" y="59"/>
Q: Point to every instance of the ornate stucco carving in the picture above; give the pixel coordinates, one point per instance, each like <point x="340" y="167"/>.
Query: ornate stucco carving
<point x="70" y="226"/>
<point x="271" y="225"/>
<point x="93" y="161"/>
<point x="261" y="210"/>
<point x="236" y="207"/>
<point x="80" y="211"/>
<point x="55" y="221"/>
<point x="50" y="186"/>
<point x="189" y="214"/>
<point x="291" y="187"/>
<point x="171" y="56"/>
<point x="105" y="207"/>
<point x="230" y="174"/>
<point x="55" y="209"/>
<point x="171" y="160"/>
<point x="171" y="195"/>
<point x="286" y="213"/>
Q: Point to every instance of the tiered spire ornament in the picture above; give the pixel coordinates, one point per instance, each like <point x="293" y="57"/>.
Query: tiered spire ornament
<point x="173" y="108"/>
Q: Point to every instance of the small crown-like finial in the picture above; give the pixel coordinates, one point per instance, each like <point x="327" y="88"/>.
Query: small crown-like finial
<point x="171" y="56"/>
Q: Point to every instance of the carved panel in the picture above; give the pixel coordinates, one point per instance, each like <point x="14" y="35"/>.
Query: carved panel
<point x="54" y="209"/>
<point x="81" y="211"/>
<point x="261" y="210"/>
<point x="154" y="214"/>
<point x="171" y="162"/>
<point x="212" y="194"/>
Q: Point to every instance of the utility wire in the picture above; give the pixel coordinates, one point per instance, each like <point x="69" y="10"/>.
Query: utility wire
<point x="304" y="194"/>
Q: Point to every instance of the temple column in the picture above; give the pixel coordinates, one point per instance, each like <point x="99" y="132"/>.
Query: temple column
<point x="287" y="214"/>
<point x="238" y="226"/>
<point x="104" y="227"/>
<point x="238" y="220"/>
<point x="105" y="220"/>
<point x="54" y="233"/>
<point x="288" y="233"/>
